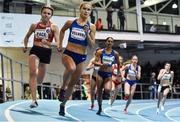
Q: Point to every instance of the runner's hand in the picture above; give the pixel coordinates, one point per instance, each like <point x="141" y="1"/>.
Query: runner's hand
<point x="25" y="49"/>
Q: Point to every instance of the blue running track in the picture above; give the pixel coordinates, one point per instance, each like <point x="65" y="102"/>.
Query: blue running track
<point x="47" y="111"/>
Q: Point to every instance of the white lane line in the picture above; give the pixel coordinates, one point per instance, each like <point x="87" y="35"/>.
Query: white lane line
<point x="120" y="120"/>
<point x="70" y="115"/>
<point x="113" y="117"/>
<point x="171" y="111"/>
<point x="7" y="111"/>
<point x="10" y="119"/>
<point x="141" y="109"/>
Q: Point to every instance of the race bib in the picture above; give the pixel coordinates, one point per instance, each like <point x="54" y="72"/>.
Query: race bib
<point x="78" y="33"/>
<point x="108" y="60"/>
<point x="41" y="34"/>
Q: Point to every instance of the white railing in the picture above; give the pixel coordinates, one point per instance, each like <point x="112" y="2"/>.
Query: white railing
<point x="14" y="76"/>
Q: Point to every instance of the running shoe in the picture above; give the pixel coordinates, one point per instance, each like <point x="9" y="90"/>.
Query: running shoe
<point x="62" y="110"/>
<point x="99" y="111"/>
<point x="125" y="98"/>
<point x="109" y="102"/>
<point x="91" y="107"/>
<point x="61" y="95"/>
<point x="34" y="104"/>
<point x="125" y="111"/>
<point x="162" y="108"/>
<point x="157" y="111"/>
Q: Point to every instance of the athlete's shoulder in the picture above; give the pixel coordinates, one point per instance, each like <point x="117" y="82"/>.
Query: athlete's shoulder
<point x="139" y="67"/>
<point x="116" y="52"/>
<point x="53" y="23"/>
<point x="100" y="51"/>
<point x="33" y="26"/>
<point x="69" y="22"/>
<point x="127" y="65"/>
<point x="92" y="27"/>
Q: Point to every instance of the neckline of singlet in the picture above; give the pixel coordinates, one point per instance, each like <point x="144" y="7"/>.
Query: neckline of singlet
<point x="167" y="72"/>
<point x="132" y="65"/>
<point x="108" y="53"/>
<point x="79" y="24"/>
<point x="46" y="25"/>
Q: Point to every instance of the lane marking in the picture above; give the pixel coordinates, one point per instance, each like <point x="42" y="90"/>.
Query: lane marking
<point x="70" y="115"/>
<point x="7" y="111"/>
<point x="10" y="119"/>
<point x="137" y="111"/>
<point x="170" y="111"/>
<point x="108" y="108"/>
<point x="141" y="109"/>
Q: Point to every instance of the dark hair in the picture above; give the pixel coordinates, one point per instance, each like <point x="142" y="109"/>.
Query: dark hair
<point x="109" y="38"/>
<point x="167" y="63"/>
<point x="134" y="55"/>
<point x="47" y="7"/>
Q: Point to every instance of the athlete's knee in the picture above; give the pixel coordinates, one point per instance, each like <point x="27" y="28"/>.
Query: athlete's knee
<point x="107" y="90"/>
<point x="164" y="95"/>
<point x="71" y="69"/>
<point x="32" y="72"/>
<point x="106" y="94"/>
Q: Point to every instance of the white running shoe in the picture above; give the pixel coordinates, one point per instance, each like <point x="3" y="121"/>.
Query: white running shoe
<point x="162" y="108"/>
<point x="109" y="102"/>
<point x="34" y="104"/>
<point x="157" y="111"/>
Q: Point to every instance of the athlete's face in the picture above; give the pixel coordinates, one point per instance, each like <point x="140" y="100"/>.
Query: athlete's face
<point x="85" y="10"/>
<point x="109" y="42"/>
<point x="134" y="59"/>
<point x="120" y="59"/>
<point x="46" y="14"/>
<point x="167" y="66"/>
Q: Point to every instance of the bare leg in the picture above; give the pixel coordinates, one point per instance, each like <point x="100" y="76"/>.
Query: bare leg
<point x="165" y="93"/>
<point x="93" y="87"/>
<point x="33" y="66"/>
<point x="74" y="79"/>
<point x="112" y="94"/>
<point x="132" y="90"/>
<point x="106" y="84"/>
<point x="41" y="72"/>
<point x="99" y="94"/>
<point x="159" y="99"/>
<point x="127" y="89"/>
<point x="117" y="88"/>
<point x="70" y="67"/>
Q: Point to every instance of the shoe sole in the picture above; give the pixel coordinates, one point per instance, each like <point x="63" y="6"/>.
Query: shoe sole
<point x="61" y="114"/>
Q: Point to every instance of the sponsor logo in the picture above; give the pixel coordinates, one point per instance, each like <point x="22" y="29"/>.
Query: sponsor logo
<point x="8" y="33"/>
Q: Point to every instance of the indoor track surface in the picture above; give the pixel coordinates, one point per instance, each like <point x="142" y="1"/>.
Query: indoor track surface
<point x="77" y="110"/>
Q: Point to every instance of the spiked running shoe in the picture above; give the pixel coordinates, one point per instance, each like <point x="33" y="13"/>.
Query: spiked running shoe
<point x="99" y="112"/>
<point x="34" y="104"/>
<point x="157" y="111"/>
<point x="62" y="110"/>
<point x="125" y="111"/>
<point x="91" y="107"/>
<point x="125" y="98"/>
